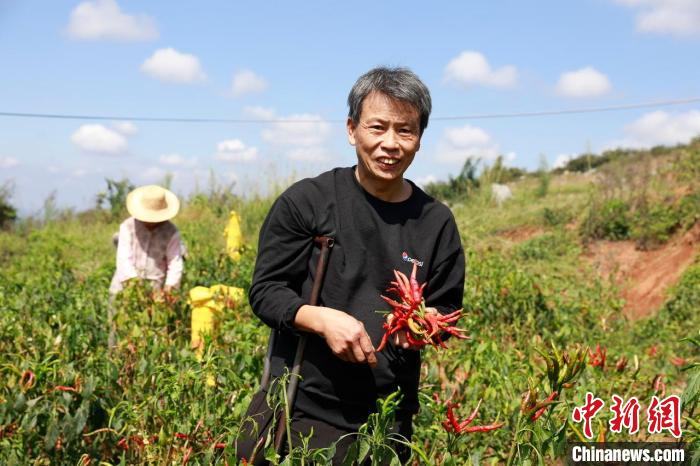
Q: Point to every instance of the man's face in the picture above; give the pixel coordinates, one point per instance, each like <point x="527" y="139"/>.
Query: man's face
<point x="386" y="137"/>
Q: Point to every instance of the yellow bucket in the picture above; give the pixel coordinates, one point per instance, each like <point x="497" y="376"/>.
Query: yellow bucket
<point x="234" y="237"/>
<point x="207" y="306"/>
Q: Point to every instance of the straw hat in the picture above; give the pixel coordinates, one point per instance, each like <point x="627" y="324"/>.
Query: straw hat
<point x="152" y="204"/>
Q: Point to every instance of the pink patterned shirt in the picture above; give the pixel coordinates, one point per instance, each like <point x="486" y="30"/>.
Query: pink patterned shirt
<point x="154" y="255"/>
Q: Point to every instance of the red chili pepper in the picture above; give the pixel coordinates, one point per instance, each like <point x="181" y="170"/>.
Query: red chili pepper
<point x="547" y="403"/>
<point x="416" y="290"/>
<point x="621" y="364"/>
<point x="138" y="440"/>
<point x="26" y="380"/>
<point x="456" y="427"/>
<point x="677" y="361"/>
<point x="396" y="305"/>
<point x="659" y="385"/>
<point x="63" y="388"/>
<point x="597" y="358"/>
<point x="186" y="456"/>
<point x="485" y="428"/>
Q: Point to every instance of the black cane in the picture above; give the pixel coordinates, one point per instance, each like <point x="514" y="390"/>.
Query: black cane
<point x="326" y="244"/>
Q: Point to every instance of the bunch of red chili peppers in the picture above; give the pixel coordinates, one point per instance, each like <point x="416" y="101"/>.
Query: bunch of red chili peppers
<point x="409" y="315"/>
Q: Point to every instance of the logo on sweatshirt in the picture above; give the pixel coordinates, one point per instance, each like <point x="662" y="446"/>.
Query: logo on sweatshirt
<point x="406" y="258"/>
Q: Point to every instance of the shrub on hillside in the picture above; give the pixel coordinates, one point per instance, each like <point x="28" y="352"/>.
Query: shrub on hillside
<point x="8" y="213"/>
<point x="114" y="198"/>
<point x="609" y="220"/>
<point x="461" y="187"/>
<point x="654" y="225"/>
<point x="555" y="217"/>
<point x="544" y="177"/>
<point x="684" y="302"/>
<point x="689" y="210"/>
<point x="500" y="292"/>
<point x="547" y="246"/>
<point x="500" y="173"/>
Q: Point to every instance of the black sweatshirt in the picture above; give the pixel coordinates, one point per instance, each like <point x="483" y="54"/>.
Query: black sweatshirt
<point x="372" y="238"/>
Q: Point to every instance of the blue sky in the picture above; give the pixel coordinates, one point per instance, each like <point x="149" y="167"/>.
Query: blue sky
<point x="298" y="60"/>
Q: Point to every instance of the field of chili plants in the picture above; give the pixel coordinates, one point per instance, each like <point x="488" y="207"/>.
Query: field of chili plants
<point x="544" y="330"/>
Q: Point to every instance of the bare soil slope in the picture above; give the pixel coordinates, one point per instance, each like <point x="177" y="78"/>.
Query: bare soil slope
<point x="645" y="276"/>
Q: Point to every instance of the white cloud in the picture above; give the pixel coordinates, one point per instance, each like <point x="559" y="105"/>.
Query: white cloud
<point x="308" y="154"/>
<point x="173" y="66"/>
<point x="659" y="128"/>
<point x="247" y="82"/>
<point x="467" y="142"/>
<point x="103" y="19"/>
<point x="233" y="150"/>
<point x="98" y="139"/>
<point x="561" y="160"/>
<point x="425" y="180"/>
<point x="8" y="162"/>
<point x="585" y="82"/>
<point x="472" y="68"/>
<point x="301" y="136"/>
<point x="260" y="113"/>
<point x="676" y="17"/>
<point x="79" y="173"/>
<point x="662" y="128"/>
<point x="304" y="130"/>
<point x="126" y="128"/>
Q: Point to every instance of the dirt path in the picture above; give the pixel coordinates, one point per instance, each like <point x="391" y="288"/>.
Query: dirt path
<point x="645" y="276"/>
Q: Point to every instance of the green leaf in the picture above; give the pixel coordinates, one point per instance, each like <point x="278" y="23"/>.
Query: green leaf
<point x="352" y="454"/>
<point x="51" y="435"/>
<point x="692" y="390"/>
<point x="80" y="419"/>
<point x="363" y="451"/>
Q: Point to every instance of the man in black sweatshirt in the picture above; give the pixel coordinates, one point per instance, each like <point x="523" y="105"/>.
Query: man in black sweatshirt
<point x="380" y="222"/>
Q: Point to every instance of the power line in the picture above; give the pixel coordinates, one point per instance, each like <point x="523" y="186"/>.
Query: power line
<point x="615" y="108"/>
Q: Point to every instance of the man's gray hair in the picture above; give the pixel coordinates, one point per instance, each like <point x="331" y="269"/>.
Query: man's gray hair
<point x="398" y="83"/>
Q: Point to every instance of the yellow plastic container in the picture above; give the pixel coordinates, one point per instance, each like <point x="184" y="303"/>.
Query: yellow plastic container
<point x="234" y="237"/>
<point x="207" y="309"/>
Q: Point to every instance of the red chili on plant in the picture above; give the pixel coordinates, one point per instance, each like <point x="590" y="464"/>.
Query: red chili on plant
<point x="597" y="358"/>
<point x="677" y="361"/>
<point x="27" y="380"/>
<point x="64" y="388"/>
<point x="456" y="427"/>
<point x="547" y="402"/>
<point x="409" y="315"/>
<point x="621" y="364"/>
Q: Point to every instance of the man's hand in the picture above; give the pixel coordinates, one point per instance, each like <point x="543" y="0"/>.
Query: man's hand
<point x="345" y="335"/>
<point x="400" y="337"/>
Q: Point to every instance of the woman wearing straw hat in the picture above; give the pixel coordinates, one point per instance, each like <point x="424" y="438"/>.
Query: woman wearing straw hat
<point x="149" y="245"/>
